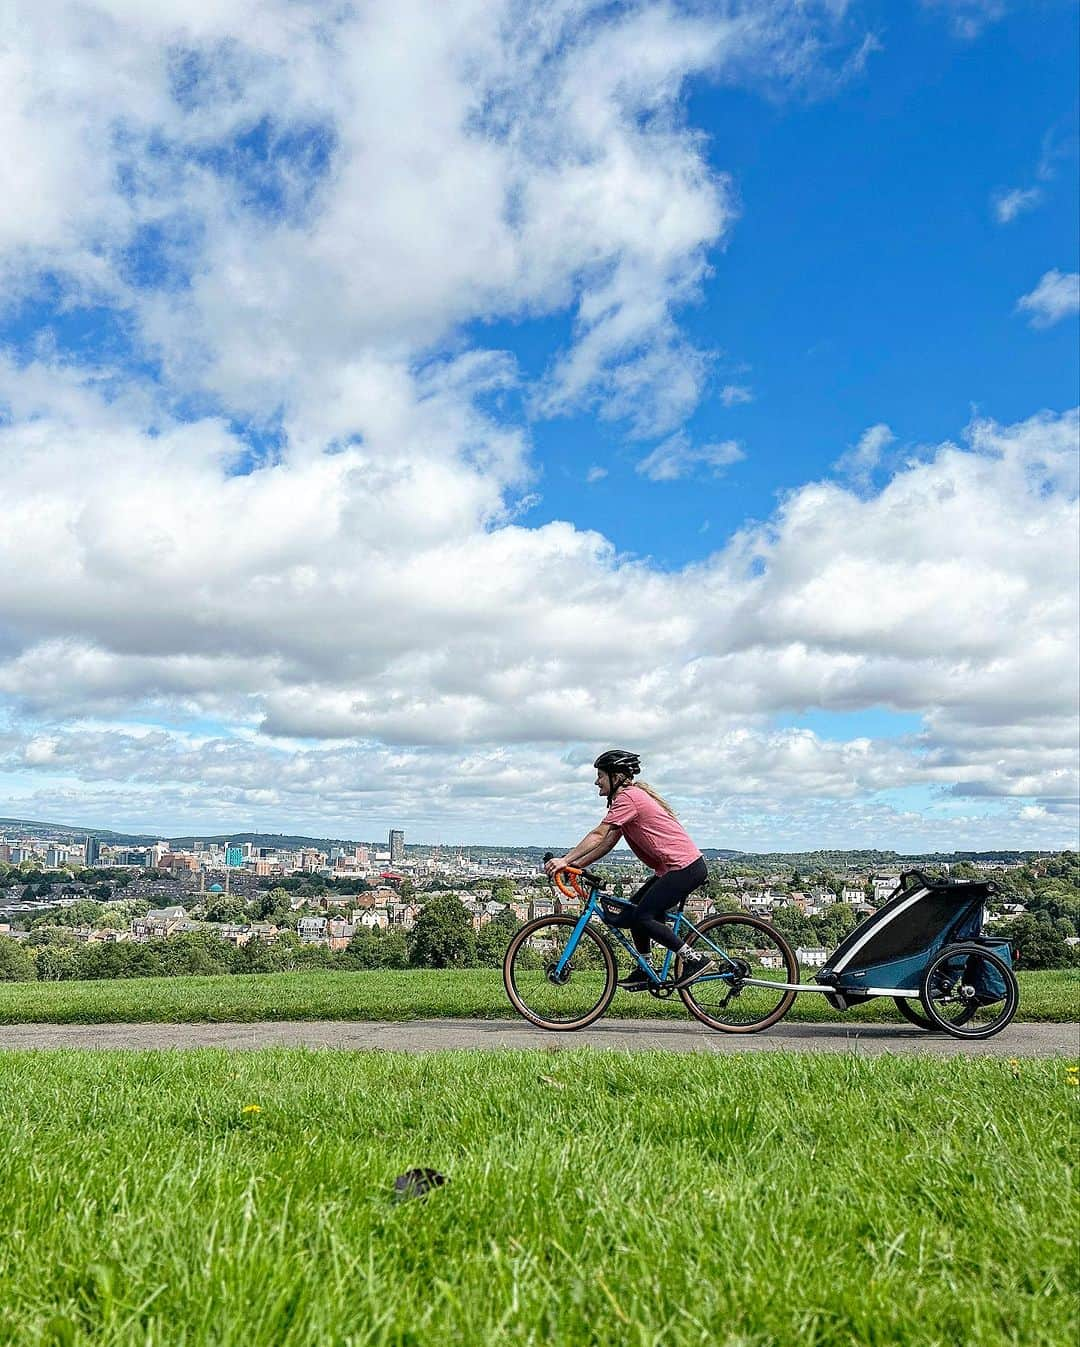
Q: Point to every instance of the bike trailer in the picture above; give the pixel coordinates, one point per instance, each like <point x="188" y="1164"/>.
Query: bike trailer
<point x="890" y="952"/>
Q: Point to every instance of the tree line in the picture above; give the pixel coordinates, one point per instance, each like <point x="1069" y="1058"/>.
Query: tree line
<point x="443" y="937"/>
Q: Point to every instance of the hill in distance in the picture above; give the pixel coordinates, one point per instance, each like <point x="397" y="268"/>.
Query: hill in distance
<point x="810" y="862"/>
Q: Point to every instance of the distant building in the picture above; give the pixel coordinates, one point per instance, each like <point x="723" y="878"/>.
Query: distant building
<point x="397" y="846"/>
<point x="234" y="855"/>
<point x="311" y="930"/>
<point x="159" y="924"/>
<point x="92" y="849"/>
<point x="178" y="860"/>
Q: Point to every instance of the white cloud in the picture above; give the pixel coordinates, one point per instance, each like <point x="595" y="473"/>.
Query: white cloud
<point x="1008" y="205"/>
<point x="413" y="633"/>
<point x="733" y="395"/>
<point x="596" y="473"/>
<point x="678" y="457"/>
<point x="1056" y="296"/>
<point x="860" y="461"/>
<point x="969" y="17"/>
<point x="358" y="609"/>
<point x="369" y="179"/>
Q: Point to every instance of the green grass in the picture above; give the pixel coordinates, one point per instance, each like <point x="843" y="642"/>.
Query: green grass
<point x="468" y="993"/>
<point x="593" y="1198"/>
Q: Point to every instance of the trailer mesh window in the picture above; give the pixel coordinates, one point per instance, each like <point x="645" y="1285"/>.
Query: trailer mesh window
<point x="929" y="921"/>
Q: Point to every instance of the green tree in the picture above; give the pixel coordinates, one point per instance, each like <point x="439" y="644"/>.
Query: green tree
<point x="493" y="939"/>
<point x="84" y="912"/>
<point x="371" y="947"/>
<point x="315" y="956"/>
<point x="835" y="922"/>
<point x="794" y="926"/>
<point x="16" y="963"/>
<point x="195" y="952"/>
<point x="363" y="951"/>
<point x="226" y="908"/>
<point x="55" y="963"/>
<point x="394" y="950"/>
<point x="1037" y="943"/>
<point x="276" y="956"/>
<point x="273" y="907"/>
<point x="44" y="931"/>
<point x="443" y="936"/>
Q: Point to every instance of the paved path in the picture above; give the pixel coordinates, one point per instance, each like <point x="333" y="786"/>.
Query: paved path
<point x="1018" y="1040"/>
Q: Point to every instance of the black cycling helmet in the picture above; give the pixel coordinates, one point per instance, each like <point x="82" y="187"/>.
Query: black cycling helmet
<point x="618" y="760"/>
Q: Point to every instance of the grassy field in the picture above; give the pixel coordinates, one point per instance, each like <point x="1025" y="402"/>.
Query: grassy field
<point x="592" y="1199"/>
<point x="467" y="993"/>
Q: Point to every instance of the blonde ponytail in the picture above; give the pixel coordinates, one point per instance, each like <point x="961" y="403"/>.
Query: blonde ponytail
<point x="641" y="785"/>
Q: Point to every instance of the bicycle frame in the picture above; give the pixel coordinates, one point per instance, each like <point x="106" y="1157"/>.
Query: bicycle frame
<point x="682" y="924"/>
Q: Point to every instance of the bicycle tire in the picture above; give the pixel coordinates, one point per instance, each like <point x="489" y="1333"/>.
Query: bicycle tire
<point x="912" y="1016"/>
<point x="693" y="996"/>
<point x="529" y="939"/>
<point x="971" y="1021"/>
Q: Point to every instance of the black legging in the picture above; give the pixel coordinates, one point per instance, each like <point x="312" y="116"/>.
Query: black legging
<point x="657" y="896"/>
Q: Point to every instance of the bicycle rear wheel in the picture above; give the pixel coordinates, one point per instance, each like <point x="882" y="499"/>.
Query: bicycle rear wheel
<point x="551" y="997"/>
<point x="969" y="991"/>
<point x="741" y="947"/>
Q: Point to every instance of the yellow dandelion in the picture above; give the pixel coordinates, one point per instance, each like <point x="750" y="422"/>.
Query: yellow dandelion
<point x="251" y="1108"/>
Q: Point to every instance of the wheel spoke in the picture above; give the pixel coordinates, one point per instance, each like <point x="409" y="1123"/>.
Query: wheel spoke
<point x="553" y="984"/>
<point x="969" y="991"/>
<point x="742" y="948"/>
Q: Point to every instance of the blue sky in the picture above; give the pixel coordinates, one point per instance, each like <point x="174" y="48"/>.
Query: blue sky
<point x="867" y="279"/>
<point x="399" y="406"/>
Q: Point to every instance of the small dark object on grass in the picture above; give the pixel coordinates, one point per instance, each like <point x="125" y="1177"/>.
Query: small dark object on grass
<point x="417" y="1183"/>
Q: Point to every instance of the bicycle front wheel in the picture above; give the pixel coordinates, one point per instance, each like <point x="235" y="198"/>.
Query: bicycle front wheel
<point x="551" y="990"/>
<point x="741" y="947"/>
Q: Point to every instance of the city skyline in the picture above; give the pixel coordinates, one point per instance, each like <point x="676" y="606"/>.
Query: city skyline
<point x="401" y="405"/>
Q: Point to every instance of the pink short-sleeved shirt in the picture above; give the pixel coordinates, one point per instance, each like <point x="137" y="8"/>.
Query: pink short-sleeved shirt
<point x="650" y="832"/>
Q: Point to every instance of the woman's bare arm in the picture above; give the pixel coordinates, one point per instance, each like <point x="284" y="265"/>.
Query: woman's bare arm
<point x="591" y="847"/>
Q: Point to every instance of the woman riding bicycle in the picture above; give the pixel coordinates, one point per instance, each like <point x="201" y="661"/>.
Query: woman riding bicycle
<point x="650" y="829"/>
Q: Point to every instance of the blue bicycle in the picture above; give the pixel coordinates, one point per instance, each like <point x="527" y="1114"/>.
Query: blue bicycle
<point x="560" y="972"/>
